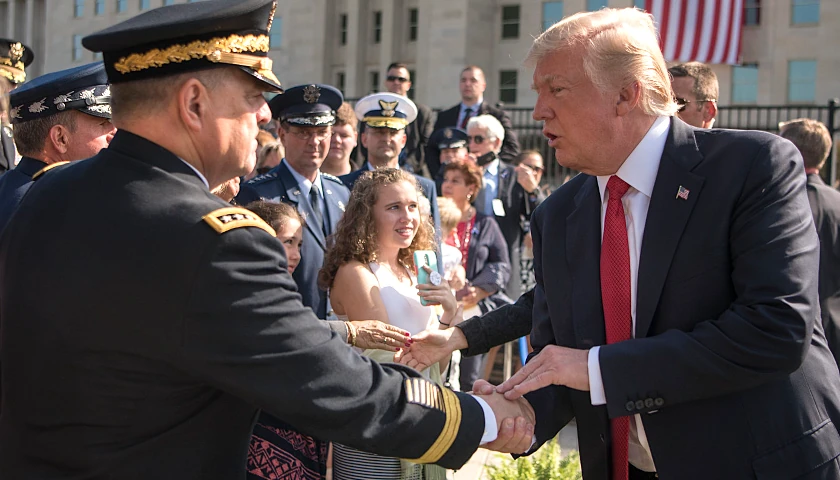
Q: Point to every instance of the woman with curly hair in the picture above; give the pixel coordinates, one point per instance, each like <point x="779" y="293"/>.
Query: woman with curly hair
<point x="369" y="273"/>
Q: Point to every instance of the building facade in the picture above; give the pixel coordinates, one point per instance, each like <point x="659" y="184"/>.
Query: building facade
<point x="787" y="48"/>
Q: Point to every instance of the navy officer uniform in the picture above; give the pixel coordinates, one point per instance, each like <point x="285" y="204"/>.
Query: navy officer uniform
<point x="178" y="319"/>
<point x="84" y="89"/>
<point x="303" y="106"/>
<point x="443" y="140"/>
<point x="14" y="58"/>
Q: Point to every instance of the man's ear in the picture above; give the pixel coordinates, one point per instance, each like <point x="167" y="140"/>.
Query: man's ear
<point x="628" y="98"/>
<point x="709" y="111"/>
<point x="59" y="137"/>
<point x="193" y="103"/>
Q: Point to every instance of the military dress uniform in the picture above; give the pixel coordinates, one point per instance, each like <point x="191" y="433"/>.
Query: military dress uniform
<point x="14" y="58"/>
<point x="305" y="106"/>
<point x="176" y="318"/>
<point x="84" y="89"/>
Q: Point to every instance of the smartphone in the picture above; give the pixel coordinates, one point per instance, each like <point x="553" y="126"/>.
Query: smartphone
<point x="429" y="259"/>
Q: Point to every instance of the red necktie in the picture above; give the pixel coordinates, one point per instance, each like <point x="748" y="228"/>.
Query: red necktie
<point x="615" y="296"/>
<point x="467" y="114"/>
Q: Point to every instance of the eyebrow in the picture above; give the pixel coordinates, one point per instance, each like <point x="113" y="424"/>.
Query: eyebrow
<point x="545" y="79"/>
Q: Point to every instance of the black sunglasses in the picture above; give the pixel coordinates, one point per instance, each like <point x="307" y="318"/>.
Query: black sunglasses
<point x="478" y="139"/>
<point x="683" y="103"/>
<point x="392" y="78"/>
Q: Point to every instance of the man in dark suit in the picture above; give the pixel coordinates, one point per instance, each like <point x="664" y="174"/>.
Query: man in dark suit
<point x="813" y="140"/>
<point x="306" y="114"/>
<point x="413" y="156"/>
<point x="676" y="310"/>
<point x="14" y="58"/>
<point x="507" y="194"/>
<point x="385" y="116"/>
<point x="472" y="85"/>
<point x="60" y="117"/>
<point x="178" y="319"/>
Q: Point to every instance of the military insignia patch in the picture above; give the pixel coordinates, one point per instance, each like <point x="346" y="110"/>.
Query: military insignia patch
<point x="229" y="218"/>
<point x="311" y="94"/>
<point x="447" y="133"/>
<point x="341" y="205"/>
<point x="388" y="108"/>
<point x="15" y="112"/>
<point x="16" y="51"/>
<point x="38" y="107"/>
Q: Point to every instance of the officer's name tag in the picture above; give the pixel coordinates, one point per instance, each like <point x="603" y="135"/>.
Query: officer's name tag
<point x="498" y="207"/>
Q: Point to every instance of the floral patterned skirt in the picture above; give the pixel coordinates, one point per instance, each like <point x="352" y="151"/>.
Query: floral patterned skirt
<point x="278" y="452"/>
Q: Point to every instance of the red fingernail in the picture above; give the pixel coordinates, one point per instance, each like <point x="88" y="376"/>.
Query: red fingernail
<point x="407" y="334"/>
<point x="407" y="344"/>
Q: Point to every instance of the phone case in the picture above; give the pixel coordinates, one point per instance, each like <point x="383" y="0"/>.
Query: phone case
<point x="428" y="258"/>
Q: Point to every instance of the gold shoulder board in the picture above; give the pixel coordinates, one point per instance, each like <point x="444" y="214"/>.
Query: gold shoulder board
<point x="47" y="169"/>
<point x="228" y="218"/>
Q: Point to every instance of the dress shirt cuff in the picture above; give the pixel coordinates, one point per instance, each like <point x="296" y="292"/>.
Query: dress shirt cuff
<point x="490" y="430"/>
<point x="596" y="384"/>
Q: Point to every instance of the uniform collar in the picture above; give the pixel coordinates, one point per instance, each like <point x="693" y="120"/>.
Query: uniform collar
<point x="303" y="182"/>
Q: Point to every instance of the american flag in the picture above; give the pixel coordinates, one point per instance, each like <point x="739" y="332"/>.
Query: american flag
<point x="682" y="193"/>
<point x="707" y="31"/>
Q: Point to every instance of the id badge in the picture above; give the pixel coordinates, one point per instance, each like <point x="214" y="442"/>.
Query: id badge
<point x="498" y="207"/>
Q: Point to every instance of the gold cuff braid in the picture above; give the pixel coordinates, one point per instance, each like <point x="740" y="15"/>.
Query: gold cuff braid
<point x="452" y="410"/>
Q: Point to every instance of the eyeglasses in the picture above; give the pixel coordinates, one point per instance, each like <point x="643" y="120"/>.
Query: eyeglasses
<point x="478" y="139"/>
<point x="393" y="78"/>
<point x="308" y="135"/>
<point x="683" y="103"/>
<point x="532" y="167"/>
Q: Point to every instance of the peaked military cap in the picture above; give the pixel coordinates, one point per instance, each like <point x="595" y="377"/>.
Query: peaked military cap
<point x="388" y="110"/>
<point x="14" y="58"/>
<point x="188" y="37"/>
<point x="82" y="88"/>
<point x="449" y="137"/>
<point x="307" y="105"/>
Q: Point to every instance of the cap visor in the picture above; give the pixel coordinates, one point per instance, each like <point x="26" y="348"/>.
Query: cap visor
<point x="271" y="80"/>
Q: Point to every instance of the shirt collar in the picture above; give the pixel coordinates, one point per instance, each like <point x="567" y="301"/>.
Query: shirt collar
<point x="203" y="179"/>
<point x="474" y="107"/>
<point x="640" y="168"/>
<point x="370" y="167"/>
<point x="492" y="168"/>
<point x="303" y="182"/>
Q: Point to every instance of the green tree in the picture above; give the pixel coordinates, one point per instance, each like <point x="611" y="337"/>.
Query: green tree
<point x="545" y="464"/>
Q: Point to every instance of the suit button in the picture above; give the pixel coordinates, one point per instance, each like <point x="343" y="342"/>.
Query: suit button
<point x="640" y="404"/>
<point x="630" y="406"/>
<point x="659" y="401"/>
<point x="648" y="403"/>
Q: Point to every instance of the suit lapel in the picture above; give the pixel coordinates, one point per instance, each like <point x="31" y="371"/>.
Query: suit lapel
<point x="666" y="218"/>
<point x="294" y="193"/>
<point x="583" y="253"/>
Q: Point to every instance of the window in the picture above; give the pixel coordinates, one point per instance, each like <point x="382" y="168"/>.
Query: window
<point x="78" y="51"/>
<point x="552" y="13"/>
<point x="413" y="16"/>
<point x="275" y="37"/>
<point x="144" y="4"/>
<point x="802" y="80"/>
<point x="752" y="11"/>
<point x="339" y="81"/>
<point x="122" y="5"/>
<point x="374" y="82"/>
<point x="342" y="32"/>
<point x="99" y="7"/>
<point x="377" y="27"/>
<point x="510" y="21"/>
<point x="805" y="11"/>
<point x="507" y="86"/>
<point x="592" y="5"/>
<point x="79" y="8"/>
<point x="745" y="84"/>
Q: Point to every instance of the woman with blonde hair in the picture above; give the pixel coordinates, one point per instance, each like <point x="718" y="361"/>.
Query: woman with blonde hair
<point x="370" y="275"/>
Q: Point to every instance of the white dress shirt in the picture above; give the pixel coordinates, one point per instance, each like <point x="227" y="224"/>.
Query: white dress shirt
<point x="474" y="107"/>
<point x="305" y="184"/>
<point x="639" y="171"/>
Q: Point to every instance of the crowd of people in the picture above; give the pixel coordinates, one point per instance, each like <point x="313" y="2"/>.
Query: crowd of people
<point x="241" y="286"/>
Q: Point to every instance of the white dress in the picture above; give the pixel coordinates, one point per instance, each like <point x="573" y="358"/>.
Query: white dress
<point x="404" y="311"/>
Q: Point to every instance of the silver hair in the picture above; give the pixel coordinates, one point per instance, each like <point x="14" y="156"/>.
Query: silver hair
<point x="488" y="123"/>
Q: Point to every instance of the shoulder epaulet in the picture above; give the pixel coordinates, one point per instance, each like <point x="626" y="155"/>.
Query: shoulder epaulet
<point x="262" y="178"/>
<point x="228" y="218"/>
<point x="332" y="178"/>
<point x="47" y="169"/>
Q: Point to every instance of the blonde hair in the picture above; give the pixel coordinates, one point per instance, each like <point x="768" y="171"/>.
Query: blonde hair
<point x="811" y="137"/>
<point x="449" y="213"/>
<point x="621" y="46"/>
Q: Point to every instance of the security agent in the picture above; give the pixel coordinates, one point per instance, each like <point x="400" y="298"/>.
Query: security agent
<point x="58" y="118"/>
<point x="306" y="114"/>
<point x="14" y="58"/>
<point x="448" y="144"/>
<point x="180" y="320"/>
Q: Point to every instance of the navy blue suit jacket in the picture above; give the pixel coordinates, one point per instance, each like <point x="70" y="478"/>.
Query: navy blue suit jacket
<point x="13" y="186"/>
<point x="279" y="185"/>
<point x="729" y="369"/>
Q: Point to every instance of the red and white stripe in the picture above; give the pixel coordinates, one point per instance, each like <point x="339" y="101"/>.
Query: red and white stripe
<point x="707" y="31"/>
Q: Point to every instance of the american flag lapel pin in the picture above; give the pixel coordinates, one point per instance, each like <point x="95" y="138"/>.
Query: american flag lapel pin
<point x="682" y="193"/>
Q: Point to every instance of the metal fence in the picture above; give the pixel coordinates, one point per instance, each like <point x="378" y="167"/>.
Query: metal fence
<point x="765" y="118"/>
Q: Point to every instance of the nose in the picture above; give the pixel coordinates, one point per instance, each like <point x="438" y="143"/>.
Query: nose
<point x="541" y="110"/>
<point x="263" y="114"/>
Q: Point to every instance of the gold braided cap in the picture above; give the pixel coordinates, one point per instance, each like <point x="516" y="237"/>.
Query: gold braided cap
<point x="15" y="75"/>
<point x="229" y="50"/>
<point x="386" y="122"/>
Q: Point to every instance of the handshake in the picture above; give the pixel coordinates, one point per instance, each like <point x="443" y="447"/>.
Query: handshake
<point x="515" y="420"/>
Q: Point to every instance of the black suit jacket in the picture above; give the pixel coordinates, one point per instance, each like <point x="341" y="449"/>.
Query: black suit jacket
<point x="825" y="206"/>
<point x="417" y="133"/>
<point x="162" y="338"/>
<point x="729" y="369"/>
<point x="279" y="185"/>
<point x="449" y="118"/>
<point x="15" y="185"/>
